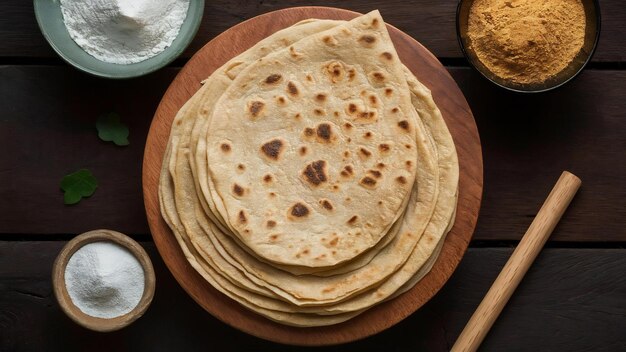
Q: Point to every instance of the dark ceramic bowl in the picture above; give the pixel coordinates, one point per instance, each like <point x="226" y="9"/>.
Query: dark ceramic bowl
<point x="592" y="34"/>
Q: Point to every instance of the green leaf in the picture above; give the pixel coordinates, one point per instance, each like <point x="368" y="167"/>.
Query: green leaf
<point x="111" y="129"/>
<point x="78" y="185"/>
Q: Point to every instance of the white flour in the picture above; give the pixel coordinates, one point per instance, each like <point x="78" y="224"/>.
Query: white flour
<point x="124" y="31"/>
<point x="104" y="280"/>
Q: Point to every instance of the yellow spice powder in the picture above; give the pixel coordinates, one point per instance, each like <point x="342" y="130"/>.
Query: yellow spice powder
<point x="526" y="41"/>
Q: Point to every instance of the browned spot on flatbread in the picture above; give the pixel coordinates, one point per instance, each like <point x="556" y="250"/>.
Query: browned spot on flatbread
<point x="375" y="23"/>
<point x="326" y="204"/>
<point x="267" y="178"/>
<point x="407" y="146"/>
<point x="297" y="116"/>
<point x="368" y="182"/>
<point x="404" y="124"/>
<point x="334" y="241"/>
<point x="378" y="76"/>
<point x="299" y="210"/>
<point x="347" y="171"/>
<point x="367" y="135"/>
<point x="386" y="56"/>
<point x="353" y="220"/>
<point x="347" y="125"/>
<point x="292" y="89"/>
<point x="384" y="147"/>
<point x="346" y="154"/>
<point x="271" y="224"/>
<point x="375" y="173"/>
<point x="408" y="163"/>
<point x="380" y="202"/>
<point x="320" y="97"/>
<point x="319" y="112"/>
<point x="225" y="147"/>
<point x="351" y="74"/>
<point x="324" y="132"/>
<point x="352" y="108"/>
<point x="373" y="100"/>
<point x="329" y="40"/>
<point x="367" y="40"/>
<point x="395" y="110"/>
<point x="380" y="165"/>
<point x="315" y="173"/>
<point x="272" y="194"/>
<point x="281" y="100"/>
<point x="366" y="153"/>
<point x="401" y="180"/>
<point x="256" y="108"/>
<point x="273" y="149"/>
<point x="273" y="78"/>
<point x="303" y="150"/>
<point x="308" y="131"/>
<point x="294" y="53"/>
<point x="274" y="237"/>
<point x="335" y="71"/>
<point x="388" y="92"/>
<point x="237" y="190"/>
<point x="242" y="217"/>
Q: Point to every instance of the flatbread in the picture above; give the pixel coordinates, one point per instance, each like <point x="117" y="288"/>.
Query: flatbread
<point x="307" y="132"/>
<point x="216" y="253"/>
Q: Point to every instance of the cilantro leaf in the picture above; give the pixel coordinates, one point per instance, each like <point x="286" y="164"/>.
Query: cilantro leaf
<point x="78" y="185"/>
<point x="111" y="129"/>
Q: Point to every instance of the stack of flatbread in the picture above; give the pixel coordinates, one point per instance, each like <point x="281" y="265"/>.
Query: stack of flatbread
<point x="312" y="176"/>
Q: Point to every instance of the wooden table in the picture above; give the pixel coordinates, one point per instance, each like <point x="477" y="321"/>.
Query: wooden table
<point x="573" y="298"/>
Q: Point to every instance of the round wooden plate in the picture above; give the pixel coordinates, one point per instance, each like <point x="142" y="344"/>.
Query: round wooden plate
<point x="455" y="111"/>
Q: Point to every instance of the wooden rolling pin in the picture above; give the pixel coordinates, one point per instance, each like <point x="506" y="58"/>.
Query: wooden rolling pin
<point x="517" y="266"/>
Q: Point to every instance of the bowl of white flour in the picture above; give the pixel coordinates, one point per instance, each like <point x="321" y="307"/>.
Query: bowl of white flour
<point x="103" y="280"/>
<point x="119" y="38"/>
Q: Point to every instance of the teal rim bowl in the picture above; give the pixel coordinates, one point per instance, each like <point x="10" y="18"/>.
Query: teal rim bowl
<point x="50" y="20"/>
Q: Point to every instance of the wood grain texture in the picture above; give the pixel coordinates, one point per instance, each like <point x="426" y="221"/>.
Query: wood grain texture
<point x="570" y="300"/>
<point x="518" y="264"/>
<point x="454" y="110"/>
<point x="432" y="22"/>
<point x="47" y="130"/>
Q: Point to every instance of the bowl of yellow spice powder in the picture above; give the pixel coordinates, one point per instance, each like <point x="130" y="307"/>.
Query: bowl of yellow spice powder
<point x="528" y="45"/>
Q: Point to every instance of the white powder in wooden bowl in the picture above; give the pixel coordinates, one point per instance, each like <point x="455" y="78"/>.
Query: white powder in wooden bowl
<point x="104" y="280"/>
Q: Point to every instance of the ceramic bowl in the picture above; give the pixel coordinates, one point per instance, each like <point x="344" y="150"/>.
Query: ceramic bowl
<point x="50" y="20"/>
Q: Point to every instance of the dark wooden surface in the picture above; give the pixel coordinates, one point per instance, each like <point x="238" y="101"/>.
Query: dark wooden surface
<point x="432" y="22"/>
<point x="552" y="310"/>
<point x="573" y="298"/>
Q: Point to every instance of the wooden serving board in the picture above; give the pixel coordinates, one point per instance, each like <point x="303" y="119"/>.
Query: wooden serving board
<point x="455" y="111"/>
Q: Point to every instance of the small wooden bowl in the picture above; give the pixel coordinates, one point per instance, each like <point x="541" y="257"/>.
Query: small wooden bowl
<point x="60" y="290"/>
